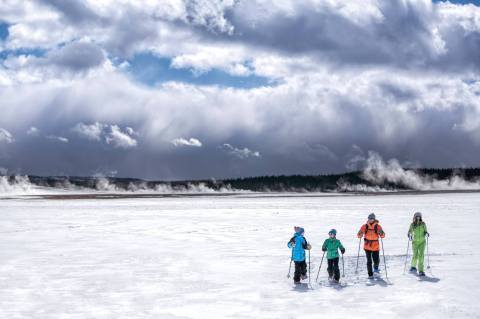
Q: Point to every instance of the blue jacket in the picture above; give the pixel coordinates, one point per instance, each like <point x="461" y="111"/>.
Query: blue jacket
<point x="298" y="252"/>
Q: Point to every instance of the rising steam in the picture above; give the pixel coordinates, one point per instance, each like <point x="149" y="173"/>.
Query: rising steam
<point x="379" y="173"/>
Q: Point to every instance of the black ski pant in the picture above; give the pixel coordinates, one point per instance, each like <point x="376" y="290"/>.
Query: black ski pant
<point x="375" y="256"/>
<point x="300" y="270"/>
<point x="333" y="270"/>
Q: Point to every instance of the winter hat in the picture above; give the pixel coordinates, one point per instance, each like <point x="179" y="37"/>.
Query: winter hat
<point x="371" y="216"/>
<point x="299" y="230"/>
<point x="417" y="214"/>
<point x="333" y="231"/>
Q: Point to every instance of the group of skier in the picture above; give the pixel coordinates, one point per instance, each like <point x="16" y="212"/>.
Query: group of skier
<point x="371" y="232"/>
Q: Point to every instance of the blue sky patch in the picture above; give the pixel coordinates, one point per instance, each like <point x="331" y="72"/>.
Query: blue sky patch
<point x="3" y="30"/>
<point x="475" y="2"/>
<point x="35" y="52"/>
<point x="150" y="69"/>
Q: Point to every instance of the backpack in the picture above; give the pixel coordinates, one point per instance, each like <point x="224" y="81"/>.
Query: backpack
<point x="375" y="228"/>
<point x="304" y="246"/>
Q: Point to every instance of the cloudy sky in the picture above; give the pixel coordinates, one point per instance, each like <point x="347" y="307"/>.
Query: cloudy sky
<point x="176" y="89"/>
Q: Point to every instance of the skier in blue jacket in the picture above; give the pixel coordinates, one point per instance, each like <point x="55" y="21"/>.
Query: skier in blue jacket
<point x="298" y="244"/>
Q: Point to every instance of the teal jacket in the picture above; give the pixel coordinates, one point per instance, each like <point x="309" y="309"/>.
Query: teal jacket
<point x="331" y="246"/>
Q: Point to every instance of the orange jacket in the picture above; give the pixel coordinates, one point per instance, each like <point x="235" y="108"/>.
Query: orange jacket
<point x="371" y="232"/>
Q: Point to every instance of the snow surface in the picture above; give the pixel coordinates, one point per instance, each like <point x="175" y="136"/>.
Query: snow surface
<point x="226" y="257"/>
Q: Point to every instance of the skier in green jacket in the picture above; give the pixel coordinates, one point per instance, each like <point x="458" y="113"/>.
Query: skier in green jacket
<point x="417" y="233"/>
<point x="331" y="246"/>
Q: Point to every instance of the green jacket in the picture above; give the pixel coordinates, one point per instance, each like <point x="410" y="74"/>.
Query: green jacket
<point x="331" y="246"/>
<point x="418" y="232"/>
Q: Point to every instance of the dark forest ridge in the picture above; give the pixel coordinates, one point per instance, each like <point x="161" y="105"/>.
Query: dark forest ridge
<point x="371" y="181"/>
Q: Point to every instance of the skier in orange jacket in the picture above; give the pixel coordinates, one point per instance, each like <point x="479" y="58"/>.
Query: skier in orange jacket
<point x="371" y="231"/>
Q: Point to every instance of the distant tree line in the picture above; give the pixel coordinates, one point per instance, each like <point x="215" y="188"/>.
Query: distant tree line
<point x="281" y="183"/>
<point x="333" y="181"/>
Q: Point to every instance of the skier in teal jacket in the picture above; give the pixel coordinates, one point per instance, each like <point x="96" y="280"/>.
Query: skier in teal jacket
<point x="331" y="245"/>
<point x="417" y="233"/>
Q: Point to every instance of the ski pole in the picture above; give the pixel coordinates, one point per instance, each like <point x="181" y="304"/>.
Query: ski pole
<point x="358" y="255"/>
<point x="290" y="267"/>
<point x="318" y="273"/>
<point x="384" y="260"/>
<point x="343" y="267"/>
<point x="309" y="273"/>
<point x="406" y="256"/>
<point x="428" y="255"/>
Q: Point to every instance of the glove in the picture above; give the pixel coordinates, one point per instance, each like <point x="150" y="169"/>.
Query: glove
<point x="309" y="246"/>
<point x="427" y="234"/>
<point x="342" y="251"/>
<point x="324" y="249"/>
<point x="409" y="236"/>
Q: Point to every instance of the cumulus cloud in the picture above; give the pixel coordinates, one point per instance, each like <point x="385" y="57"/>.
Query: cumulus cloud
<point x="111" y="134"/>
<point x="208" y="58"/>
<point x="250" y="37"/>
<point x="5" y="136"/>
<point x="439" y="35"/>
<point x="241" y="153"/>
<point x="120" y="139"/>
<point x="209" y="14"/>
<point x="33" y="131"/>
<point x="184" y="142"/>
<point x="130" y="131"/>
<point x="89" y="131"/>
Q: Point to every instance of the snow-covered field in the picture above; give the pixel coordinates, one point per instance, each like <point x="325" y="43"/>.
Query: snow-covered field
<point x="226" y="257"/>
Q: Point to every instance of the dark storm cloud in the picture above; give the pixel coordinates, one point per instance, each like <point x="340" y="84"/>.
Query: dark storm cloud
<point x="76" y="12"/>
<point x="77" y="56"/>
<point x="397" y="77"/>
<point x="131" y="30"/>
<point x="296" y="134"/>
<point x="398" y="91"/>
<point x="403" y="34"/>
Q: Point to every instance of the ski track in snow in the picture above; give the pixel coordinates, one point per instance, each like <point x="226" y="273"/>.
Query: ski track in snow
<point x="220" y="257"/>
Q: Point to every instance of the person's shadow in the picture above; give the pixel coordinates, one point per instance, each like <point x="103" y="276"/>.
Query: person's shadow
<point x="429" y="279"/>
<point x="301" y="287"/>
<point x="377" y="282"/>
<point x="339" y="286"/>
